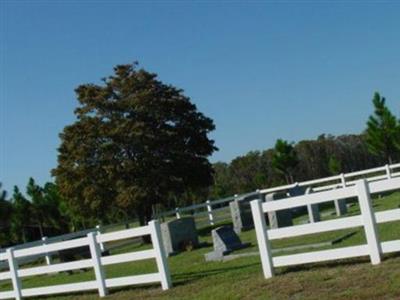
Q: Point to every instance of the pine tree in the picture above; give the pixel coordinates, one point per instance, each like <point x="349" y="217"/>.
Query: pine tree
<point x="284" y="159"/>
<point x="382" y="134"/>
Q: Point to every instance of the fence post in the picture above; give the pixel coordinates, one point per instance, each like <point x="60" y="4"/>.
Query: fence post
<point x="368" y="216"/>
<point x="102" y="248"/>
<point x="343" y="180"/>
<point x="312" y="209"/>
<point x="161" y="258"/>
<point x="210" y="213"/>
<point x="309" y="208"/>
<point x="388" y="173"/>
<point x="16" y="282"/>
<point x="263" y="242"/>
<point x="178" y="214"/>
<point x="96" y="259"/>
<point x="48" y="256"/>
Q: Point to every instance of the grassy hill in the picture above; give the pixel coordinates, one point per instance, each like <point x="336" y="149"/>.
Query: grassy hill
<point x="242" y="278"/>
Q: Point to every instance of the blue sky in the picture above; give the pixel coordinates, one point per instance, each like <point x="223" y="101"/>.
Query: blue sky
<point x="261" y="70"/>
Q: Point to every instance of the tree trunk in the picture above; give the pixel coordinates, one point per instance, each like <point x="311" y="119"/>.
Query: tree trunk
<point x="23" y="234"/>
<point x="145" y="215"/>
<point x="41" y="230"/>
<point x="126" y="221"/>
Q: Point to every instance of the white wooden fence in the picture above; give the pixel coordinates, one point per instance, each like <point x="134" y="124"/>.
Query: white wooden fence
<point x="97" y="262"/>
<point x="368" y="219"/>
<point x="48" y="240"/>
<point x="207" y="209"/>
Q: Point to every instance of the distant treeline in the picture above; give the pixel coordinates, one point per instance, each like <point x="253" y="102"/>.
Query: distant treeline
<point x="325" y="156"/>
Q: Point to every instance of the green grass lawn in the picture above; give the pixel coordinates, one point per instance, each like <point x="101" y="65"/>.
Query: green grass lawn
<point x="242" y="278"/>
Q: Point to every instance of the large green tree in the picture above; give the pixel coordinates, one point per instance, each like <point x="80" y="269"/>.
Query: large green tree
<point x="247" y="172"/>
<point x="382" y="134"/>
<point x="136" y="142"/>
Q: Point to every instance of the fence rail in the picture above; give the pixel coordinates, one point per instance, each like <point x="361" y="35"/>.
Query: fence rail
<point x="368" y="219"/>
<point x="96" y="261"/>
<point x="45" y="241"/>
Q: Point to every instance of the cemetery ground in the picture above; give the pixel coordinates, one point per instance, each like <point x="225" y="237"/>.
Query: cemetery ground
<point x="242" y="278"/>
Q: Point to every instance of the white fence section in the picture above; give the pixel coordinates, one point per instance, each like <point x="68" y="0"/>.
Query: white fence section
<point x="367" y="219"/>
<point x="45" y="241"/>
<point x="97" y="262"/>
<point x="208" y="210"/>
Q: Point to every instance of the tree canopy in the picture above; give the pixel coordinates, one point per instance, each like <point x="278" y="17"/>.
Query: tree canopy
<point x="136" y="142"/>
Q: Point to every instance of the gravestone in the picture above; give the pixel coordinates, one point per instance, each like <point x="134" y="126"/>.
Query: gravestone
<point x="280" y="218"/>
<point x="313" y="209"/>
<point x="242" y="218"/>
<point x="225" y="241"/>
<point x="179" y="234"/>
<point x="340" y="205"/>
<point x="295" y="192"/>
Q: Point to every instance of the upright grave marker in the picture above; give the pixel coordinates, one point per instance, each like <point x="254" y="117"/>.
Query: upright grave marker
<point x="281" y="218"/>
<point x="241" y="212"/>
<point x="179" y="234"/>
<point x="225" y="241"/>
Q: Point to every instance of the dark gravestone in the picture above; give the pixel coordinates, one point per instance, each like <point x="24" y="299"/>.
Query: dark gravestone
<point x="225" y="241"/>
<point x="295" y="192"/>
<point x="280" y="218"/>
<point x="340" y="206"/>
<point x="179" y="235"/>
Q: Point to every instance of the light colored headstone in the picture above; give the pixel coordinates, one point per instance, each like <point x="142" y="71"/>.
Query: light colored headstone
<point x="242" y="218"/>
<point x="179" y="234"/>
